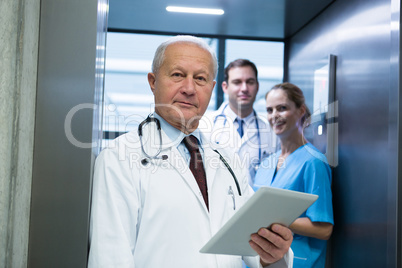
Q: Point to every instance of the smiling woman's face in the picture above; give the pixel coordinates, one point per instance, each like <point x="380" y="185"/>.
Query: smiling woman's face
<point x="183" y="85"/>
<point x="283" y="115"/>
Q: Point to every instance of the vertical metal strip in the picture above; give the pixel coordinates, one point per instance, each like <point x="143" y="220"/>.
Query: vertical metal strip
<point x="394" y="236"/>
<point x="221" y="68"/>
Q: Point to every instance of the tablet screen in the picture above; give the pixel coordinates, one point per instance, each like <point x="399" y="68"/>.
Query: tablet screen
<point x="267" y="206"/>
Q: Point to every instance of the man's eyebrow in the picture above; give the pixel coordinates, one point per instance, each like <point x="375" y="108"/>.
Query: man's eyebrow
<point x="201" y="71"/>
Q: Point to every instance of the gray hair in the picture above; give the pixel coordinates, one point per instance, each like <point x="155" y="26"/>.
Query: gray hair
<point x="160" y="51"/>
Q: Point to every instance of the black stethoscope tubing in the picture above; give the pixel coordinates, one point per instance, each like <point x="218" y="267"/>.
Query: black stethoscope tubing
<point x="148" y="157"/>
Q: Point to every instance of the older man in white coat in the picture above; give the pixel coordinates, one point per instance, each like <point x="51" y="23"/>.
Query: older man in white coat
<point x="160" y="194"/>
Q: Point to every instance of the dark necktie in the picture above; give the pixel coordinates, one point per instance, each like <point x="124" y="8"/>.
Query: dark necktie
<point x="196" y="165"/>
<point x="240" y="128"/>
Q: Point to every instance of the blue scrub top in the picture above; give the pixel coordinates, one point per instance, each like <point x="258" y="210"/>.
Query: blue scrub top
<point x="304" y="170"/>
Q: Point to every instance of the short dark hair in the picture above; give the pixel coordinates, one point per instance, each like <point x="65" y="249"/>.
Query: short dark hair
<point x="239" y="63"/>
<point x="295" y="94"/>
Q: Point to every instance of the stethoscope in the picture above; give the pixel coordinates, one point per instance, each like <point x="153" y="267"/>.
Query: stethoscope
<point x="148" y="158"/>
<point x="222" y="114"/>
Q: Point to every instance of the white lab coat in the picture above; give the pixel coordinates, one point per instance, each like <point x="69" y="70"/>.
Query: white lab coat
<point x="154" y="215"/>
<point x="222" y="131"/>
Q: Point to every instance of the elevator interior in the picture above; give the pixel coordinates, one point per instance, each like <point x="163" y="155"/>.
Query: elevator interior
<point x="364" y="37"/>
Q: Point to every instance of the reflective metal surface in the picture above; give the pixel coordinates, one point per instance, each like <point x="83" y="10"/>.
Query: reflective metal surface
<point x="367" y="89"/>
<point x="275" y="19"/>
<point x="70" y="84"/>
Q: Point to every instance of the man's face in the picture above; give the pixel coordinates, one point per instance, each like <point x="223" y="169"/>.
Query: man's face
<point x="242" y="88"/>
<point x="183" y="85"/>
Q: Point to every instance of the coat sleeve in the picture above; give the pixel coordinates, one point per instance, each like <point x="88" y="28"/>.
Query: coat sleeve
<point x="114" y="212"/>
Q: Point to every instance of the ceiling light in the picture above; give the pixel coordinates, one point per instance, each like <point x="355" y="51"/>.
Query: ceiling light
<point x="210" y="11"/>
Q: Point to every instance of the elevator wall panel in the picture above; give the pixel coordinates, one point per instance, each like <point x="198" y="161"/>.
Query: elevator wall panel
<point x="359" y="34"/>
<point x="69" y="94"/>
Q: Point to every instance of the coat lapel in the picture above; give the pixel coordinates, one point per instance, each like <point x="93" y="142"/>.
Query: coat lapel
<point x="211" y="165"/>
<point x="176" y="161"/>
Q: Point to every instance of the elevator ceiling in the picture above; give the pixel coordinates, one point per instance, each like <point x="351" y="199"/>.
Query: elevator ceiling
<point x="268" y="19"/>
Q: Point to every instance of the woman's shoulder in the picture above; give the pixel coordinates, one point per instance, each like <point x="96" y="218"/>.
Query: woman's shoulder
<point x="312" y="155"/>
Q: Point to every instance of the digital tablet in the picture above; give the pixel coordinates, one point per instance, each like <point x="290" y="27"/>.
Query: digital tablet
<point x="267" y="206"/>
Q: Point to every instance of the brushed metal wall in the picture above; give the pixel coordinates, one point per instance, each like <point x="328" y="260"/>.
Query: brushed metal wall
<point x="70" y="86"/>
<point x="365" y="184"/>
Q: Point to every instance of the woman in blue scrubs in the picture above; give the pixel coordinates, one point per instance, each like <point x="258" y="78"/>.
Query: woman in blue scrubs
<point x="299" y="166"/>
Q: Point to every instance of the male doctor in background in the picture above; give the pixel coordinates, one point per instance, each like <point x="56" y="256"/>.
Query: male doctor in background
<point x="155" y="204"/>
<point x="235" y="124"/>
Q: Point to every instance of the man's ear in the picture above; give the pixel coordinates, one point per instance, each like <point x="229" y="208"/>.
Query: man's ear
<point x="225" y="87"/>
<point x="214" y="83"/>
<point x="151" y="81"/>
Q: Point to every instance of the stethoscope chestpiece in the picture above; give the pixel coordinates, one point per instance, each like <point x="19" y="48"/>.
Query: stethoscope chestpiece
<point x="146" y="161"/>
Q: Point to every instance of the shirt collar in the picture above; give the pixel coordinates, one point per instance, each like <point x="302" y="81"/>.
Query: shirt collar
<point x="175" y="135"/>
<point x="232" y="115"/>
<point x="229" y="113"/>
